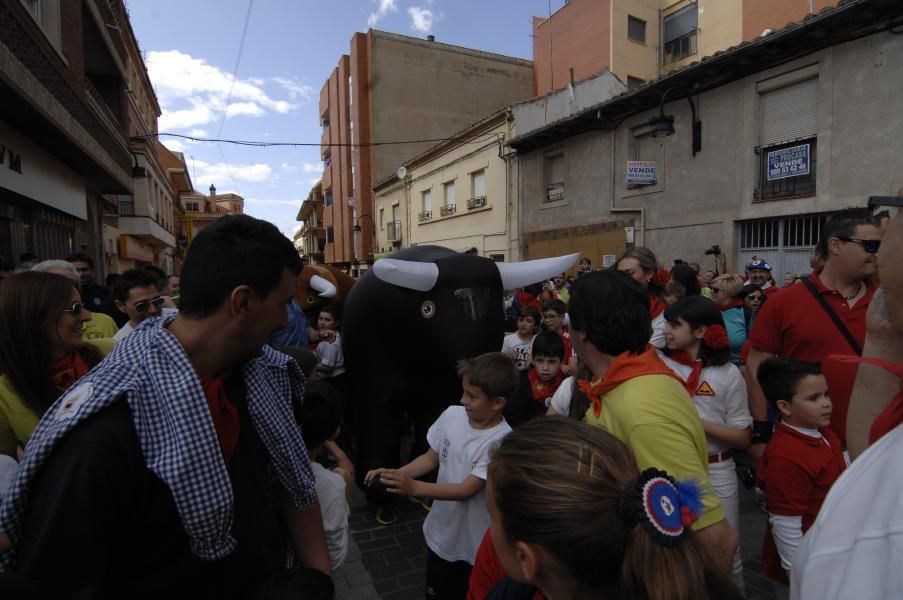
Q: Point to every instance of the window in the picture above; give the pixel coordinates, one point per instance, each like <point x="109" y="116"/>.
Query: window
<point x="426" y="200"/>
<point x="382" y="218"/>
<point x="636" y="29"/>
<point x="350" y="95"/>
<point x="497" y="257"/>
<point x="679" y="36"/>
<point x="330" y="235"/>
<point x="788" y="141"/>
<point x="448" y="205"/>
<point x="554" y="168"/>
<point x="394" y="212"/>
<point x="327" y="199"/>
<point x="634" y="82"/>
<point x="478" y="183"/>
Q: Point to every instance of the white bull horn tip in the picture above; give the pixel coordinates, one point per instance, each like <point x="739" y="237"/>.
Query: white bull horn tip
<point x="517" y="275"/>
<point x="420" y="276"/>
<point x="323" y="287"/>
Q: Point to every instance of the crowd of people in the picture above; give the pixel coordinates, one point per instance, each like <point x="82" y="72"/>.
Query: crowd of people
<point x="151" y="430"/>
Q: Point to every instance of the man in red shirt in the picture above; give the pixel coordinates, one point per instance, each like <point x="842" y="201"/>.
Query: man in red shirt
<point x="794" y="323"/>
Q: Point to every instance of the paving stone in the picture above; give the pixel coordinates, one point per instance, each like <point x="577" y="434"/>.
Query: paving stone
<point x="393" y="570"/>
<point x="415" y="593"/>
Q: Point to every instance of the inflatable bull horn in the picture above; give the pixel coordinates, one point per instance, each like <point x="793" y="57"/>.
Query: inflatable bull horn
<point x="324" y="288"/>
<point x="422" y="276"/>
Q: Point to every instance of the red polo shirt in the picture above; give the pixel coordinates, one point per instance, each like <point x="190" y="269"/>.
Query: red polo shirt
<point x="794" y="324"/>
<point x="796" y="472"/>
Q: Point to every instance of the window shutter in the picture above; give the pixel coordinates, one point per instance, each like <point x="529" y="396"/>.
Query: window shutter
<point x="790" y="113"/>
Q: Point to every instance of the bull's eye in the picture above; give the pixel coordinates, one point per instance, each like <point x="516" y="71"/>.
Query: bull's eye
<point x="427" y="309"/>
<point x="310" y="299"/>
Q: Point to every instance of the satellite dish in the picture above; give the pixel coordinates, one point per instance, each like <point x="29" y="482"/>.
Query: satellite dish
<point x="401" y="172"/>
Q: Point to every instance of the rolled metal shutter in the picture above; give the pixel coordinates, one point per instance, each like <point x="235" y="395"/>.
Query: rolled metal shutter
<point x="790" y="113"/>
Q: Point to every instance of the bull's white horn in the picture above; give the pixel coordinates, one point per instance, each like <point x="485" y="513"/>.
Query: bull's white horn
<point x="323" y="287"/>
<point x="420" y="276"/>
<point x="520" y="274"/>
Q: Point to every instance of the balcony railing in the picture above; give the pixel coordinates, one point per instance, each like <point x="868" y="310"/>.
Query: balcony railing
<point x="448" y="209"/>
<point x="425" y="216"/>
<point x="478" y="202"/>
<point x="393" y="231"/>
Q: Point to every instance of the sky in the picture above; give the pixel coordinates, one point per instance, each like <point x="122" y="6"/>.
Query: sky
<point x="192" y="47"/>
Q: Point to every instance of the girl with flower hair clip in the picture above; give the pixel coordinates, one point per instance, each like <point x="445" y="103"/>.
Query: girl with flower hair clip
<point x="698" y="351"/>
<point x="572" y="518"/>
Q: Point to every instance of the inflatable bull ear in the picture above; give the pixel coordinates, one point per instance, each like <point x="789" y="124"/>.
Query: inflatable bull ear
<point x="422" y="276"/>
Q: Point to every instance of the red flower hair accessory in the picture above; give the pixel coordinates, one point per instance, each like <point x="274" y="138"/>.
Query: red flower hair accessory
<point x="716" y="337"/>
<point x="661" y="278"/>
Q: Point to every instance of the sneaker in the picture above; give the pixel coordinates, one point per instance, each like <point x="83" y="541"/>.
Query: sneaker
<point x="386" y="515"/>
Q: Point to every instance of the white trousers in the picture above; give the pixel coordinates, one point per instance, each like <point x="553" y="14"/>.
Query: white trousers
<point x="724" y="479"/>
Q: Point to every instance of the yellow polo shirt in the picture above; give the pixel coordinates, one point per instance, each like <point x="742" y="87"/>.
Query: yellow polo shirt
<point x="655" y="417"/>
<point x="100" y="326"/>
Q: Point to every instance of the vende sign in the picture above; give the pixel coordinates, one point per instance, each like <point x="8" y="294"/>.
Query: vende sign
<point x="788" y="162"/>
<point x="641" y="172"/>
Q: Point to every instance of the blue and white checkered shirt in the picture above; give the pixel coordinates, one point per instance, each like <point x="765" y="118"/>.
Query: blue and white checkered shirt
<point x="151" y="371"/>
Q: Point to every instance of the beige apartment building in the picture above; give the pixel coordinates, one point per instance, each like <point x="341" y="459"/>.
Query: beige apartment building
<point x="458" y="194"/>
<point x="311" y="237"/>
<point x="641" y="40"/>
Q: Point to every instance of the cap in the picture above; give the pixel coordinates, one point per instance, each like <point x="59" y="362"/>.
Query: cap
<point x="758" y="264"/>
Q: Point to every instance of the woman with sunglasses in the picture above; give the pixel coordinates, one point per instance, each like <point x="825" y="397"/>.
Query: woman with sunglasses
<point x="726" y="290"/>
<point x="753" y="298"/>
<point x="41" y="350"/>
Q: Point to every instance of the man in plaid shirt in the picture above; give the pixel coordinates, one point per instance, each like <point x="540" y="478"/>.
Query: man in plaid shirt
<point x="175" y="467"/>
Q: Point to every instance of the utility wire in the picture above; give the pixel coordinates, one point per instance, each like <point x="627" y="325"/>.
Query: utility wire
<point x="241" y="47"/>
<point x="259" y="144"/>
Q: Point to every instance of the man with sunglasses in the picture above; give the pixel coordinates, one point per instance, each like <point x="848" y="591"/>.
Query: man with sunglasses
<point x="824" y="316"/>
<point x="136" y="294"/>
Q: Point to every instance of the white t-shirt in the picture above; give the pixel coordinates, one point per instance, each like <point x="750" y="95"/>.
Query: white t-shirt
<point x="561" y="399"/>
<point x="855" y="547"/>
<point x="658" y="331"/>
<point x="334" y="509"/>
<point x="128" y="328"/>
<point x="522" y="356"/>
<point x="331" y="355"/>
<point x="454" y="529"/>
<point x="720" y="397"/>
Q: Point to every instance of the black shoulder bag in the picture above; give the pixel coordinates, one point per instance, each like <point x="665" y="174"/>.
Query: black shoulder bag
<point x="830" y="312"/>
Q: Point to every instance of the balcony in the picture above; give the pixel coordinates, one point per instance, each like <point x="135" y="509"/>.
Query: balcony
<point x="448" y="209"/>
<point x="478" y="202"/>
<point x="146" y="229"/>
<point x="425" y="216"/>
<point x="105" y="114"/>
<point x="393" y="231"/>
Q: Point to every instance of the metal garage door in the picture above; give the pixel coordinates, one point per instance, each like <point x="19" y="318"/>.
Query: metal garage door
<point x="785" y="243"/>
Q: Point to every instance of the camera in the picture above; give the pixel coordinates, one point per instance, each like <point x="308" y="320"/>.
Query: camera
<point x="714" y="250"/>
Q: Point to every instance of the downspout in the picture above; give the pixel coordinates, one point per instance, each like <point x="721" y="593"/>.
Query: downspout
<point x="639" y="237"/>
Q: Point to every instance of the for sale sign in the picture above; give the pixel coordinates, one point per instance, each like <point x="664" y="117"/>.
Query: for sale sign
<point x="641" y="172"/>
<point x="788" y="162"/>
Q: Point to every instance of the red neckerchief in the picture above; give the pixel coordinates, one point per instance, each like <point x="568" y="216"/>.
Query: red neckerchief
<point x="692" y="383"/>
<point x="543" y="389"/>
<point x="735" y="303"/>
<point x="892" y="414"/>
<point x="626" y="366"/>
<point x="68" y="370"/>
<point x="224" y="414"/>
<point x="656" y="306"/>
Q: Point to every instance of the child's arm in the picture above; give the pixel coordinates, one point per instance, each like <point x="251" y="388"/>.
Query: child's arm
<point x="399" y="482"/>
<point x="345" y="467"/>
<point x="569" y="366"/>
<point x="322" y="368"/>
<point x="423" y="464"/>
<point x="735" y="438"/>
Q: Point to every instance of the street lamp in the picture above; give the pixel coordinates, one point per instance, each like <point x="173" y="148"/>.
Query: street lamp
<point x="357" y="224"/>
<point x="662" y="125"/>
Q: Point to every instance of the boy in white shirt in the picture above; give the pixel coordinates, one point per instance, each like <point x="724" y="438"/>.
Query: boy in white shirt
<point x="519" y="344"/>
<point x="461" y="444"/>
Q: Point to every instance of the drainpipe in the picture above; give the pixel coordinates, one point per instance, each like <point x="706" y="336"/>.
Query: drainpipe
<point x="640" y="236"/>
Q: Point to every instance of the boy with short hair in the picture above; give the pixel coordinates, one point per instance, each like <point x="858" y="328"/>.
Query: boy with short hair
<point x="320" y="418"/>
<point x="553" y="315"/>
<point x="461" y="443"/>
<point x="539" y="382"/>
<point x="518" y="345"/>
<point x="802" y="460"/>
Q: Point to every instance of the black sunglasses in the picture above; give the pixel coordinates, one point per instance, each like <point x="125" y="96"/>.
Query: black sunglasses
<point x="141" y="307"/>
<point x="755" y="298"/>
<point x="715" y="290"/>
<point x="870" y="246"/>
<point x="75" y="309"/>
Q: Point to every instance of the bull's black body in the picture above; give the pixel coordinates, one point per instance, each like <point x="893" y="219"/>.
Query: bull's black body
<point x="401" y="346"/>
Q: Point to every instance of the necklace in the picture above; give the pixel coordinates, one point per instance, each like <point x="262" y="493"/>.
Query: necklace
<point x="854" y="294"/>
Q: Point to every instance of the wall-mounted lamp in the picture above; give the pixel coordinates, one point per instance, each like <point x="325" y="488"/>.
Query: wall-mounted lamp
<point x="137" y="170"/>
<point x="357" y="224"/>
<point x="662" y="125"/>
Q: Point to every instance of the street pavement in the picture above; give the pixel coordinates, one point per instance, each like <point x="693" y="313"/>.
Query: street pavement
<point x="389" y="562"/>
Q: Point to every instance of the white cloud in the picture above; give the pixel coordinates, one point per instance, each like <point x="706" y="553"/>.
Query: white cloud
<point x="273" y="202"/>
<point x="313" y="181"/>
<point x="313" y="167"/>
<point x="385" y="7"/>
<point x="175" y="145"/>
<point x="193" y="92"/>
<point x="205" y="173"/>
<point x="421" y="19"/>
<point x="295" y="89"/>
<point x="197" y="133"/>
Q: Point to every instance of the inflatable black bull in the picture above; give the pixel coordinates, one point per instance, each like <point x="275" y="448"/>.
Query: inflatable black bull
<point x="405" y="325"/>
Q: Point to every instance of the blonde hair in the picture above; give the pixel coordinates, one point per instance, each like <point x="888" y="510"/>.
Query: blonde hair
<point x="730" y="283"/>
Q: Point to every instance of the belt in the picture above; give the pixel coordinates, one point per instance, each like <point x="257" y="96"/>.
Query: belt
<point x="721" y="456"/>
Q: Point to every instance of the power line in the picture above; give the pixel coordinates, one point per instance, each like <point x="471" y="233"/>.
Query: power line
<point x="259" y="144"/>
<point x="241" y="48"/>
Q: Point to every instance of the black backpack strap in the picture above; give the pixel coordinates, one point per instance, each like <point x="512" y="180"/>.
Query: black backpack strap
<point x="841" y="326"/>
